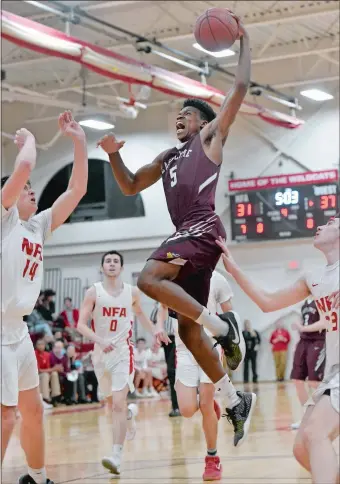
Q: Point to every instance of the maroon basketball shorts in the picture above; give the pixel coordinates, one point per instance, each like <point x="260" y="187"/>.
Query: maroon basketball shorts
<point x="194" y="248"/>
<point x="309" y="360"/>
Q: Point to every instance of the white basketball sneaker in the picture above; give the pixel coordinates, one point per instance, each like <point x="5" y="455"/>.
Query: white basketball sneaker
<point x="112" y="464"/>
<point x="131" y="421"/>
<point x="295" y="425"/>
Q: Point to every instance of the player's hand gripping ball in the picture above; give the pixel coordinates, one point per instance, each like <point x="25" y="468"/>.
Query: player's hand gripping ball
<point x="217" y="29"/>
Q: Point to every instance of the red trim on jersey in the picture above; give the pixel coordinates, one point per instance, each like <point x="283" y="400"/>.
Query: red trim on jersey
<point x="130" y="345"/>
<point x="92" y="326"/>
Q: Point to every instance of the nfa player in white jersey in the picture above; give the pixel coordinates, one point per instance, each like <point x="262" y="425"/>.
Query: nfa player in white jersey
<point x="23" y="236"/>
<point x="112" y="305"/>
<point x="320" y="426"/>
<point x="191" y="379"/>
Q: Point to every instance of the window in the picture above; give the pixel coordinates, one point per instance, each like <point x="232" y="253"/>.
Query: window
<point x="103" y="200"/>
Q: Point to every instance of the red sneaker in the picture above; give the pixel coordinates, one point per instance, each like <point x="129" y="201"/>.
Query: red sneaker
<point x="217" y="410"/>
<point x="213" y="469"/>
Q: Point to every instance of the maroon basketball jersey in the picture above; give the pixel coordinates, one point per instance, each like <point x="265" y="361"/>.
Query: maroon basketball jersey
<point x="310" y="315"/>
<point x="189" y="181"/>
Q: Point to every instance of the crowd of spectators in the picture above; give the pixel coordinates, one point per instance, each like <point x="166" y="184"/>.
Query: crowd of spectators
<point x="64" y="360"/>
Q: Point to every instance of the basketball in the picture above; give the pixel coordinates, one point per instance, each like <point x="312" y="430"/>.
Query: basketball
<point x="216" y="29"/>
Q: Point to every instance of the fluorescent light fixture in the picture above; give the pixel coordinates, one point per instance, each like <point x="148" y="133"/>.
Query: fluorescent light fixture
<point x="316" y="95"/>
<point x="95" y="124"/>
<point x="221" y="53"/>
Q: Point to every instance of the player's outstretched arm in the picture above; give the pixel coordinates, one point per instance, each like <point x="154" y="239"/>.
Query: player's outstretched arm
<point x="85" y="315"/>
<point x="68" y="201"/>
<point x="130" y="183"/>
<point x="159" y="336"/>
<point x="267" y="301"/>
<point x="235" y="97"/>
<point x="24" y="164"/>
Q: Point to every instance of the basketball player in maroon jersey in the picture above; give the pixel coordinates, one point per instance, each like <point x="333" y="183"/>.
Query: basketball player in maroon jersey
<point x="178" y="273"/>
<point x="309" y="356"/>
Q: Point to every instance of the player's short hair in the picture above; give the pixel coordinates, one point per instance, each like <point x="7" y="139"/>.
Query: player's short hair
<point x="3" y="180"/>
<point x="68" y="298"/>
<point x="206" y="111"/>
<point x="113" y="252"/>
<point x="141" y="339"/>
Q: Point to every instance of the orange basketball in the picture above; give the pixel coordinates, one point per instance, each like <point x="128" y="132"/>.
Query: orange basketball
<point x="216" y="29"/>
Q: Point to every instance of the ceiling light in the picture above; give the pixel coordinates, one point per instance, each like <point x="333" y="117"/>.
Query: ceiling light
<point x="316" y="95"/>
<point x="95" y="124"/>
<point x="221" y="53"/>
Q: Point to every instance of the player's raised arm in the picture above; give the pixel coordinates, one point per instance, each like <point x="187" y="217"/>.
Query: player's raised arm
<point x="159" y="334"/>
<point x="24" y="164"/>
<point x="85" y="315"/>
<point x="235" y="97"/>
<point x="130" y="183"/>
<point x="68" y="201"/>
<point x="267" y="301"/>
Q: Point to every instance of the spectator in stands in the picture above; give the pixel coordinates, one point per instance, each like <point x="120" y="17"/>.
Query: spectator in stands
<point x="143" y="374"/>
<point x="75" y="365"/>
<point x="58" y="336"/>
<point x="280" y="340"/>
<point x="48" y="376"/>
<point x="37" y="324"/>
<point x="252" y="340"/>
<point x="58" y="357"/>
<point x="70" y="315"/>
<point x="156" y="361"/>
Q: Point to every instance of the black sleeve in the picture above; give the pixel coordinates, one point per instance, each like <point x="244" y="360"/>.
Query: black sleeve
<point x="258" y="338"/>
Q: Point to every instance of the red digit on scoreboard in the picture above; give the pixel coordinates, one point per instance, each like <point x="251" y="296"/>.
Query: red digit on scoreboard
<point x="240" y="210"/>
<point x="327" y="201"/>
<point x="259" y="228"/>
<point x="310" y="223"/>
<point x="243" y="228"/>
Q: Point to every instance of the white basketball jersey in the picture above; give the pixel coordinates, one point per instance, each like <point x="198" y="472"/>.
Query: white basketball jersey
<point x="22" y="269"/>
<point x="322" y="284"/>
<point x="220" y="292"/>
<point x="113" y="315"/>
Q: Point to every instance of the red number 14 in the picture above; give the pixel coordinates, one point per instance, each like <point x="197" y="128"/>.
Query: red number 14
<point x="30" y="268"/>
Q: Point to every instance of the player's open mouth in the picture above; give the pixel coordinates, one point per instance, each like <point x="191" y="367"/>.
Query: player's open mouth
<point x="180" y="127"/>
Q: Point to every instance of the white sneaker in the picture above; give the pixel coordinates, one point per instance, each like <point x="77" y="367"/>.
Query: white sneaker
<point x="47" y="406"/>
<point x="296" y="425"/>
<point x="145" y="393"/>
<point x="131" y="421"/>
<point x="112" y="464"/>
<point x="139" y="394"/>
<point x="152" y="393"/>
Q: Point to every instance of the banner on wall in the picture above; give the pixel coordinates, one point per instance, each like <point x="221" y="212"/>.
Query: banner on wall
<point x="293" y="179"/>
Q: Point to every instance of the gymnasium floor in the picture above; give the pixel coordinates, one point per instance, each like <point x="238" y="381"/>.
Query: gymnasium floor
<point x="169" y="450"/>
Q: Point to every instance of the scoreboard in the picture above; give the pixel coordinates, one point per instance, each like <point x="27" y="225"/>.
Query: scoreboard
<point x="284" y="212"/>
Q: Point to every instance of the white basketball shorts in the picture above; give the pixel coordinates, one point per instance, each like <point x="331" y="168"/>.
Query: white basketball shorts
<point x="19" y="370"/>
<point x="114" y="370"/>
<point x="330" y="382"/>
<point x="188" y="370"/>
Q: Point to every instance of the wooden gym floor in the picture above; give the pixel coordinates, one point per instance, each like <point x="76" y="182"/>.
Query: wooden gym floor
<point x="169" y="451"/>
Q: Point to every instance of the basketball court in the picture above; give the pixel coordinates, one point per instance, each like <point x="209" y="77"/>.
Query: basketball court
<point x="168" y="450"/>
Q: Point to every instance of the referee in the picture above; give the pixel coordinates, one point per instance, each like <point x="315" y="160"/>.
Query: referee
<point x="170" y="358"/>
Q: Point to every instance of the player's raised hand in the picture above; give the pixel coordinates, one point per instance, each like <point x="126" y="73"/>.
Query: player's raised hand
<point x="69" y="127"/>
<point x="335" y="298"/>
<point x="160" y="337"/>
<point x="228" y="260"/>
<point x="21" y="136"/>
<point x="109" y="144"/>
<point x="241" y="27"/>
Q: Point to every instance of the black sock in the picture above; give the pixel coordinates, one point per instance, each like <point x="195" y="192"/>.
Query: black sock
<point x="212" y="452"/>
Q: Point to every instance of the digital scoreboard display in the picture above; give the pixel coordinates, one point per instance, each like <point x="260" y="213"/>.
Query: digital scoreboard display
<point x="282" y="213"/>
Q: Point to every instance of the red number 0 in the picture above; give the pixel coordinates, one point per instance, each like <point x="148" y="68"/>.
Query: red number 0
<point x="113" y="326"/>
<point x="32" y="266"/>
<point x="333" y="318"/>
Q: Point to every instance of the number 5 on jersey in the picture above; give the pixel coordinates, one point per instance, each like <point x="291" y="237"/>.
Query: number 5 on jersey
<point x="173" y="176"/>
